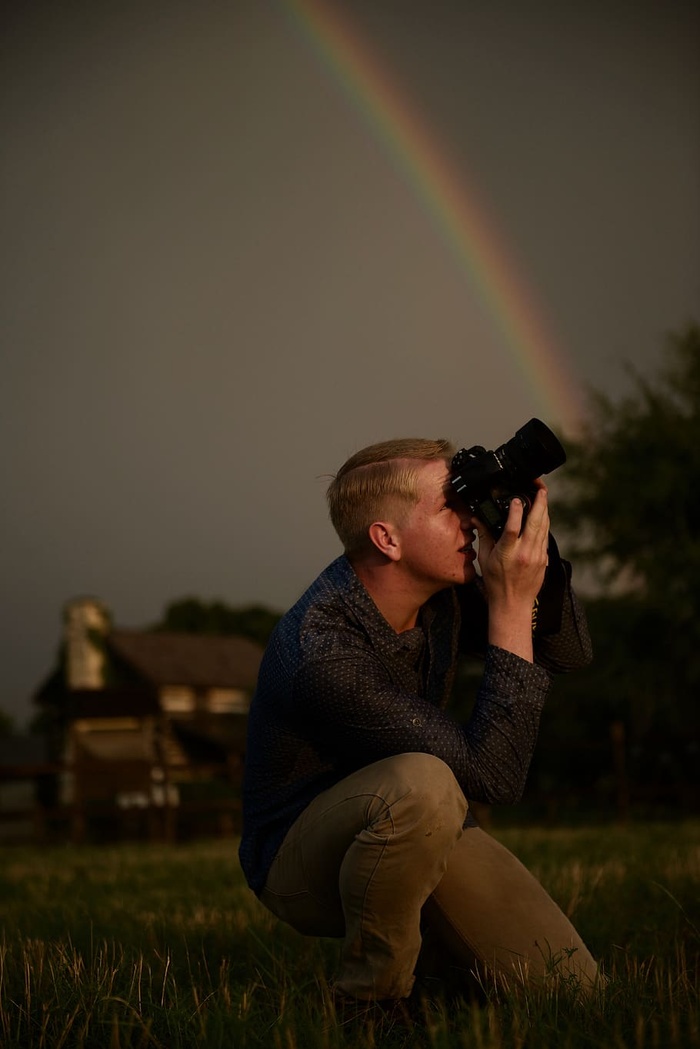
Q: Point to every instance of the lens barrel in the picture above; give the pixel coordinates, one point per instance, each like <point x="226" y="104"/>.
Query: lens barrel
<point x="533" y="451"/>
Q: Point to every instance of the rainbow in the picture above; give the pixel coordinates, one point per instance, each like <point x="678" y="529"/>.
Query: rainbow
<point x="454" y="206"/>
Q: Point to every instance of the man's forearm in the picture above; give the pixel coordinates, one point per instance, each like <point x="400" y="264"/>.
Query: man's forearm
<point x="510" y="627"/>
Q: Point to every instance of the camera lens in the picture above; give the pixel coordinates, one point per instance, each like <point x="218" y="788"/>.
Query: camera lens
<point x="534" y="450"/>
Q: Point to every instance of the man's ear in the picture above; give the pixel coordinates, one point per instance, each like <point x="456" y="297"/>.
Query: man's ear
<point x="385" y="538"/>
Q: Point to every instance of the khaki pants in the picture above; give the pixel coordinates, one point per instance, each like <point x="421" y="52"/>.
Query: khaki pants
<point x="381" y="859"/>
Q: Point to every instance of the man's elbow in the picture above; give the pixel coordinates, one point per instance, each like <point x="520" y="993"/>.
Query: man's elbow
<point x="576" y="659"/>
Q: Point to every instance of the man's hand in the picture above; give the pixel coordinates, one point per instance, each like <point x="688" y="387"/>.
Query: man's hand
<point x="513" y="571"/>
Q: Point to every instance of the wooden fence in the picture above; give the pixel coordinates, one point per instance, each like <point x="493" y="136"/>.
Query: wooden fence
<point x="166" y="815"/>
<point x="162" y="810"/>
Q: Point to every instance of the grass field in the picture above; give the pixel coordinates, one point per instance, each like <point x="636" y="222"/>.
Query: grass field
<point x="156" y="946"/>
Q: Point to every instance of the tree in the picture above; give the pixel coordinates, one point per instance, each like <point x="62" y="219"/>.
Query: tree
<point x="189" y="615"/>
<point x="631" y="508"/>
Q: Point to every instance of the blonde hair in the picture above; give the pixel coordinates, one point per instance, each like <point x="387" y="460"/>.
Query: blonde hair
<point x="377" y="480"/>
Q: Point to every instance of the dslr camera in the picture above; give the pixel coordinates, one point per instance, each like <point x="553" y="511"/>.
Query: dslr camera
<point x="486" y="481"/>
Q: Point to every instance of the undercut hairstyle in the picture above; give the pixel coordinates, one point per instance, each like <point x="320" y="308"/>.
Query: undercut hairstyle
<point x="377" y="482"/>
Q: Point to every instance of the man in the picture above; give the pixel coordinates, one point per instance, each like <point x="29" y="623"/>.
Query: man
<point x="357" y="780"/>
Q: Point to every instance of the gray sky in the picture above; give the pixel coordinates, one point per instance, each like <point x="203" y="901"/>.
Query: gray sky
<point x="217" y="283"/>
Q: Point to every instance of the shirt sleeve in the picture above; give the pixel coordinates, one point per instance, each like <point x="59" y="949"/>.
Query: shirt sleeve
<point x="356" y="714"/>
<point x="570" y="648"/>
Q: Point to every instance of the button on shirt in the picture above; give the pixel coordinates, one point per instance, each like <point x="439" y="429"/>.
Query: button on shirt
<point x="339" y="689"/>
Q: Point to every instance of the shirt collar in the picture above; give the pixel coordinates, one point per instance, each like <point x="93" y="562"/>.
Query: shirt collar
<point x="405" y="645"/>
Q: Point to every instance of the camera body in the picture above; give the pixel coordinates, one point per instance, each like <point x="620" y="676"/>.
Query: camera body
<point x="486" y="481"/>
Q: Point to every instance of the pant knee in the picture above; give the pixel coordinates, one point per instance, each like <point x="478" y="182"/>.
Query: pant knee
<point x="426" y="791"/>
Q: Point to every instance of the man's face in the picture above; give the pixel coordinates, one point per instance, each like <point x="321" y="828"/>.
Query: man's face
<point x="437" y="536"/>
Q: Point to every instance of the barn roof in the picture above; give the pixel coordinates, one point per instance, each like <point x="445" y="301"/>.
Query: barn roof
<point x="194" y="660"/>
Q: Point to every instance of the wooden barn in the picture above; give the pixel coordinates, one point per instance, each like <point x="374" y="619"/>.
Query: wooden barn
<point x="148" y="727"/>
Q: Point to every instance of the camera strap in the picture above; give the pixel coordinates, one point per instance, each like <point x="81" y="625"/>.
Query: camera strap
<point x="549" y="603"/>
